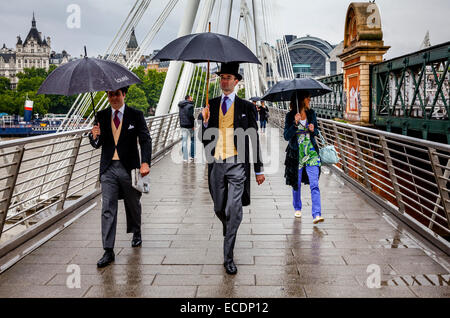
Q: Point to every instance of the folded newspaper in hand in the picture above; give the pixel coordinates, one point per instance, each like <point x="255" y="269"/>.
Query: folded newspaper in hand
<point x="140" y="183"/>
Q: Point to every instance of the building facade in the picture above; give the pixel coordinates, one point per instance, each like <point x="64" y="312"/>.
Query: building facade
<point x="313" y="57"/>
<point x="34" y="51"/>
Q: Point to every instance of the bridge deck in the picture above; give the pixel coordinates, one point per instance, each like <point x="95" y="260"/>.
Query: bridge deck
<point x="276" y="254"/>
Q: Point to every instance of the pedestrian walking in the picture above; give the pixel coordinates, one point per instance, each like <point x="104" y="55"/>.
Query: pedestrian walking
<point x="186" y="114"/>
<point x="225" y="127"/>
<point x="302" y="153"/>
<point x="116" y="132"/>
<point x="263" y="115"/>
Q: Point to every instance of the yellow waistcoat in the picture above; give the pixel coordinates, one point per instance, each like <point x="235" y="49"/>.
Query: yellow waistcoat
<point x="225" y="144"/>
<point x="116" y="134"/>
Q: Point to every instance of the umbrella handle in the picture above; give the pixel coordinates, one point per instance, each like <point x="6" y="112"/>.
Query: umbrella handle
<point x="93" y="108"/>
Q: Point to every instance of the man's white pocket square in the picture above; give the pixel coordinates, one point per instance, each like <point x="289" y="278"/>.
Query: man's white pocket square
<point x="130" y="127"/>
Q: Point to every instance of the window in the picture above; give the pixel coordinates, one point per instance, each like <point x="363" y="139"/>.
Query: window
<point x="333" y="67"/>
<point x="32" y="51"/>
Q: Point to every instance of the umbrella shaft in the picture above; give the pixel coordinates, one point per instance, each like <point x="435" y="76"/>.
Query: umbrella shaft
<point x="207" y="85"/>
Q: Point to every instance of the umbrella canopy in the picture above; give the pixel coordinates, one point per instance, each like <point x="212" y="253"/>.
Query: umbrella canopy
<point x="87" y="75"/>
<point x="255" y="99"/>
<point x="204" y="47"/>
<point x="283" y="90"/>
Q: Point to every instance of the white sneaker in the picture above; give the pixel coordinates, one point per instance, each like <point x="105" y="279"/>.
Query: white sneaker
<point x="191" y="159"/>
<point x="185" y="160"/>
<point x="318" y="219"/>
<point x="298" y="214"/>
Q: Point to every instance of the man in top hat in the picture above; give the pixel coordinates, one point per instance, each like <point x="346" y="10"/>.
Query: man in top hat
<point x="228" y="126"/>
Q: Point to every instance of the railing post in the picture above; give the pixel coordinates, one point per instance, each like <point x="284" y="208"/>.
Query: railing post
<point x="393" y="177"/>
<point x="158" y="135"/>
<point x="441" y="181"/>
<point x="174" y="121"/>
<point x="361" y="159"/>
<point x="70" y="168"/>
<point x="10" y="185"/>
<point x="339" y="145"/>
<point x="167" y="132"/>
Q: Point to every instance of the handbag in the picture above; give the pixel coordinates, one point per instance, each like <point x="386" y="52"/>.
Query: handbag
<point x="140" y="183"/>
<point x="328" y="154"/>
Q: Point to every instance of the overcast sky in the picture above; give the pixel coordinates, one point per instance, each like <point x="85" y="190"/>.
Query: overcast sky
<point x="404" y="22"/>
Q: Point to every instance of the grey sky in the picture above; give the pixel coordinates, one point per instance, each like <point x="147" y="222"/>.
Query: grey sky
<point x="404" y="22"/>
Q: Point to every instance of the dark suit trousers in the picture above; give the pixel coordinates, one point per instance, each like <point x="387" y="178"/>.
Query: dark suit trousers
<point x="227" y="187"/>
<point x="115" y="178"/>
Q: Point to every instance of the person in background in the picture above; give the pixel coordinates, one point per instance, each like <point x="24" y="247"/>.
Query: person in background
<point x="263" y="112"/>
<point x="186" y="114"/>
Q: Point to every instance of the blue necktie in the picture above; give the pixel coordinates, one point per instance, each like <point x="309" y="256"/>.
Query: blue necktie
<point x="224" y="105"/>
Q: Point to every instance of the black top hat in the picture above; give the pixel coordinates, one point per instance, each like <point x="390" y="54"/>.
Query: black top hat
<point x="230" y="68"/>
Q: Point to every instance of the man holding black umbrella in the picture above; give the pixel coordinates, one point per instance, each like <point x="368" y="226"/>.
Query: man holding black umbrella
<point x="116" y="131"/>
<point x="228" y="125"/>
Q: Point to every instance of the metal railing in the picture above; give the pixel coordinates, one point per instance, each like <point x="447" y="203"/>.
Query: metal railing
<point x="408" y="176"/>
<point x="412" y="91"/>
<point x="46" y="177"/>
<point x="331" y="105"/>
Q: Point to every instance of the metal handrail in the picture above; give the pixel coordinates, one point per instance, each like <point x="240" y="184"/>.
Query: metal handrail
<point x="72" y="164"/>
<point x="408" y="176"/>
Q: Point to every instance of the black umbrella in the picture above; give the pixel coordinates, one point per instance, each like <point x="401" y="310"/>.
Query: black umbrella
<point x="87" y="75"/>
<point x="206" y="47"/>
<point x="255" y="99"/>
<point x="283" y="90"/>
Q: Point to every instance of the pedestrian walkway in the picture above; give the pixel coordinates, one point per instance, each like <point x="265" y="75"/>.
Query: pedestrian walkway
<point x="276" y="254"/>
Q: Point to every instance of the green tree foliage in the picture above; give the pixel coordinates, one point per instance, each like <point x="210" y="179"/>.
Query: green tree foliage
<point x="241" y="93"/>
<point x="29" y="84"/>
<point x="5" y="85"/>
<point x="12" y="102"/>
<point x="136" y="98"/>
<point x="152" y="83"/>
<point x="32" y="72"/>
<point x="41" y="103"/>
<point x="140" y="72"/>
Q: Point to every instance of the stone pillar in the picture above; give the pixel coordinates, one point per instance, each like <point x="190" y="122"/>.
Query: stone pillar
<point x="363" y="45"/>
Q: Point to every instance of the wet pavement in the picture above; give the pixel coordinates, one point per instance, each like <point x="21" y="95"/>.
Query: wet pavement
<point x="276" y="254"/>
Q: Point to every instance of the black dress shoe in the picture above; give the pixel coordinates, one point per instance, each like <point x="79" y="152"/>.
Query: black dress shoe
<point x="230" y="268"/>
<point x="137" y="240"/>
<point x="107" y="258"/>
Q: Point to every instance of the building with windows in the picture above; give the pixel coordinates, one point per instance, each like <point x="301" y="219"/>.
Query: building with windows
<point x="313" y="57"/>
<point x="34" y="51"/>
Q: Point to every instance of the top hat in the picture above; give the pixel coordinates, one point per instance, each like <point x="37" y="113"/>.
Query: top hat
<point x="230" y="68"/>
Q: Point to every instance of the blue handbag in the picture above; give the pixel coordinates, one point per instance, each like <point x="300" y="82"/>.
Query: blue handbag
<point x="328" y="154"/>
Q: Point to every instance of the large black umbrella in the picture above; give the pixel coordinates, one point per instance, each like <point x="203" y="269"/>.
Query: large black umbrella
<point x="207" y="46"/>
<point x="283" y="90"/>
<point x="87" y="75"/>
<point x="255" y="99"/>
